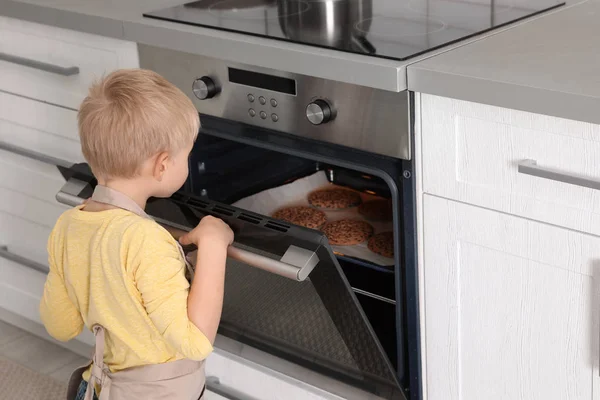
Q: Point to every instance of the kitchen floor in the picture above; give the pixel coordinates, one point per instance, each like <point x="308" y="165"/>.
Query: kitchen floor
<point x="37" y="354"/>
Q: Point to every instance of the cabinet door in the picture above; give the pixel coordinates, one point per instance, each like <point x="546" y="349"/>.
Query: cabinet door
<point x="511" y="306"/>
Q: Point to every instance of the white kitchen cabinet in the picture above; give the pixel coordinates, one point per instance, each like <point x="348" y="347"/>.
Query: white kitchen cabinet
<point x="39" y="97"/>
<point x="471" y="153"/>
<point x="511" y="306"/>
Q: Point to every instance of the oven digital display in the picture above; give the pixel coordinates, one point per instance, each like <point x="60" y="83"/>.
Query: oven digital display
<point x="263" y="81"/>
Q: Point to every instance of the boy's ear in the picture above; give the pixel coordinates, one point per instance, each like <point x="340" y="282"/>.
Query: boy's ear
<point x="160" y="165"/>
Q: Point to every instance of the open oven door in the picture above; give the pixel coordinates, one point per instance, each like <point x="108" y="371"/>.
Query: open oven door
<point x="285" y="291"/>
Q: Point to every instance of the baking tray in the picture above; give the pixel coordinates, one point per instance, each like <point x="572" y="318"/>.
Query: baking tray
<point x="295" y="194"/>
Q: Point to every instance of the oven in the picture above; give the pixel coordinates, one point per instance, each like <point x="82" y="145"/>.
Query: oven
<point x="330" y="308"/>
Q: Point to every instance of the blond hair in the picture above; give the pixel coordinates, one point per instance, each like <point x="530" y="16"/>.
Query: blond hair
<point x="131" y="115"/>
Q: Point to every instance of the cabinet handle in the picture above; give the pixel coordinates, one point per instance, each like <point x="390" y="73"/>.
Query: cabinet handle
<point x="296" y="263"/>
<point x="35" y="155"/>
<point x="5" y="253"/>
<point x="530" y="167"/>
<point x="42" y="66"/>
<point x="214" y="385"/>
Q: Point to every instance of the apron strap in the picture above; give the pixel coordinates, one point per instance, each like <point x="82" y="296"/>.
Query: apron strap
<point x="99" y="374"/>
<point x="106" y="195"/>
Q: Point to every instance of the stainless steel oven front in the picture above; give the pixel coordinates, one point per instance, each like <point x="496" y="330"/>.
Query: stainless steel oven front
<point x="288" y="291"/>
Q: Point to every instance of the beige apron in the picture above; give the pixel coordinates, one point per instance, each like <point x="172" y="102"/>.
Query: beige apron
<point x="182" y="379"/>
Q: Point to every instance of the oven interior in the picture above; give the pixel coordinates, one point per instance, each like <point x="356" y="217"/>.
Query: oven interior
<point x="227" y="168"/>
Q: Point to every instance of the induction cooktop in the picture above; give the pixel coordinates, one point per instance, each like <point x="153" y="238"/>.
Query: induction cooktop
<point x="389" y="29"/>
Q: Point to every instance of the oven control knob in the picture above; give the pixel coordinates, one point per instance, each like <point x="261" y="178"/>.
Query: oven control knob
<point x="319" y="112"/>
<point x="205" y="88"/>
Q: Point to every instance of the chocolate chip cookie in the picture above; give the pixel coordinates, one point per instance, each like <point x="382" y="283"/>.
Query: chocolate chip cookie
<point x="301" y="215"/>
<point x="347" y="232"/>
<point x="334" y="199"/>
<point x="382" y="244"/>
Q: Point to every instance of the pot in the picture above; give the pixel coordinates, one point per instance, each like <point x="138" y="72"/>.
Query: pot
<point x="330" y="23"/>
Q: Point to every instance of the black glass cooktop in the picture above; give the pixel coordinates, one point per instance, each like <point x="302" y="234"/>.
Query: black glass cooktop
<point x="383" y="28"/>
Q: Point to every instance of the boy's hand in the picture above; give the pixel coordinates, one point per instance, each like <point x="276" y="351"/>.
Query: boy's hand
<point x="209" y="229"/>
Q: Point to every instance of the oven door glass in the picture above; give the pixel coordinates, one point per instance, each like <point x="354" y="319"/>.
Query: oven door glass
<point x="285" y="290"/>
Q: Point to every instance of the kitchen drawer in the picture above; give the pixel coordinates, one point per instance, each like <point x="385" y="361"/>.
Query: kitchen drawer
<point x="40" y="127"/>
<point x="30" y="177"/>
<point x="93" y="56"/>
<point x="472" y="152"/>
<point x="208" y="395"/>
<point x="29" y="208"/>
<point x="21" y="289"/>
<point x="256" y="382"/>
<point x="24" y="238"/>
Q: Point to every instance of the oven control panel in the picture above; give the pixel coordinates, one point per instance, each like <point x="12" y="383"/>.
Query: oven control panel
<point x="317" y="112"/>
<point x="368" y="119"/>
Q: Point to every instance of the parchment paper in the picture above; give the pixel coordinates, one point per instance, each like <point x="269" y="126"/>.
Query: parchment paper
<point x="295" y="193"/>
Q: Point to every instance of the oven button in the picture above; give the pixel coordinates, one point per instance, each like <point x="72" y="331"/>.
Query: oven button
<point x="251" y="98"/>
<point x="263" y="115"/>
<point x="273" y="103"/>
<point x="205" y="88"/>
<point x="262" y="100"/>
<point x="274" y="117"/>
<point x="319" y="112"/>
<point x="251" y="112"/>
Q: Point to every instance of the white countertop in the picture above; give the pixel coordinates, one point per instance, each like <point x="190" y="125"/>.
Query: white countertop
<point x="549" y="65"/>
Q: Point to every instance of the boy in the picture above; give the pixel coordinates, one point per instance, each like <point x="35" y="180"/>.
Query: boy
<point x="113" y="268"/>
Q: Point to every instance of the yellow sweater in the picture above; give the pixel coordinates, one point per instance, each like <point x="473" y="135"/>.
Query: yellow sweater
<point x="125" y="273"/>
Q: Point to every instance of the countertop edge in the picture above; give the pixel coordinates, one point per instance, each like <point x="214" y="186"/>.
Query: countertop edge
<point x="349" y="68"/>
<point x="506" y="95"/>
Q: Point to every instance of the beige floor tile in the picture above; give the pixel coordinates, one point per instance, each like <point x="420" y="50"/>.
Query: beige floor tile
<point x="9" y="333"/>
<point x="64" y="373"/>
<point x="37" y="354"/>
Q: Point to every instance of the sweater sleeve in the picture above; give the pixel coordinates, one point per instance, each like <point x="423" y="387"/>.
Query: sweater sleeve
<point x="59" y="315"/>
<point x="160" y="279"/>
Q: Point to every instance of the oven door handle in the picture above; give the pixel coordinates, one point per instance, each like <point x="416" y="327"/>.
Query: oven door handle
<point x="296" y="263"/>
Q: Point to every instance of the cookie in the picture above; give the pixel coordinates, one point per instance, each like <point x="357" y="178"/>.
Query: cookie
<point x="382" y="244"/>
<point x="346" y="232"/>
<point x="304" y="216"/>
<point x="377" y="210"/>
<point x="334" y="199"/>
